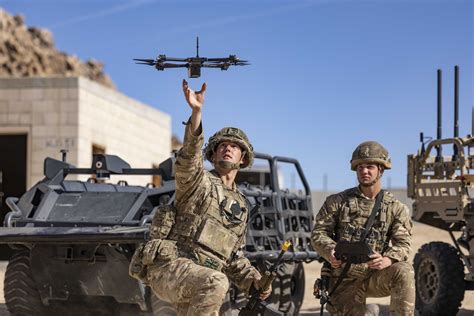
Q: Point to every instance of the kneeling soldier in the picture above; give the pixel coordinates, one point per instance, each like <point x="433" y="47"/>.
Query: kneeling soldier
<point x="196" y="244"/>
<point x="344" y="216"/>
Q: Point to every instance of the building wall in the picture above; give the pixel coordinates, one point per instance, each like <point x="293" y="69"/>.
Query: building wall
<point x="75" y="113"/>
<point x="138" y="133"/>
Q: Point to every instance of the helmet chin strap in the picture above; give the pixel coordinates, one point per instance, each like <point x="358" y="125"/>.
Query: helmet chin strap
<point x="228" y="165"/>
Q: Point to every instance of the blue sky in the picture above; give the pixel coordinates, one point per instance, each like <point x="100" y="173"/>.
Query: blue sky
<point x="325" y="75"/>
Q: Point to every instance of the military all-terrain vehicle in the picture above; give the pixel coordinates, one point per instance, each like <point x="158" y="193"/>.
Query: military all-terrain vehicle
<point x="442" y="188"/>
<point x="74" y="240"/>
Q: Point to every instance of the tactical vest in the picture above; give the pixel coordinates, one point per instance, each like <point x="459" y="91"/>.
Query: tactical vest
<point x="352" y="219"/>
<point x="212" y="233"/>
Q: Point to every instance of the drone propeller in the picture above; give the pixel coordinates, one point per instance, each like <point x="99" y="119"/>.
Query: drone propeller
<point x="193" y="64"/>
<point x="150" y="62"/>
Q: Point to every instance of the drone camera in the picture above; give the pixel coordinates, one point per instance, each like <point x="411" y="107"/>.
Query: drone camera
<point x="194" y="71"/>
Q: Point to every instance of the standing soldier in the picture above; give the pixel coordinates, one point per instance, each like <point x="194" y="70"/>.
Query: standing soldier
<point x="196" y="244"/>
<point x="343" y="217"/>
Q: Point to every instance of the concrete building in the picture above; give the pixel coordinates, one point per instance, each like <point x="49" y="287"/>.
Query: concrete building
<point x="41" y="116"/>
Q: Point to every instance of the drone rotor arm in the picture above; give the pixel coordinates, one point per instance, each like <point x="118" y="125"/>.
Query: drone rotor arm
<point x="220" y="65"/>
<point x="218" y="60"/>
<point x="170" y="65"/>
<point x="175" y="59"/>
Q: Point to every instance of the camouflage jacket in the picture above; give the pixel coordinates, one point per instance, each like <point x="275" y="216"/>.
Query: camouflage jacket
<point x="211" y="219"/>
<point x="343" y="217"/>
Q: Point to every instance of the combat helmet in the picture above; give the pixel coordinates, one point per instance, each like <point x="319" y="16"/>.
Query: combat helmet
<point x="231" y="134"/>
<point x="368" y="152"/>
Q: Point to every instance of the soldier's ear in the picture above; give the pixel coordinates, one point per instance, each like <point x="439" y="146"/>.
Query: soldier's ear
<point x="243" y="157"/>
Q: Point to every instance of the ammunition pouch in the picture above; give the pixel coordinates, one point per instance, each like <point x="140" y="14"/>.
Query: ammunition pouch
<point x="353" y="252"/>
<point x="163" y="221"/>
<point x="159" y="251"/>
<point x="217" y="238"/>
<point x="137" y="269"/>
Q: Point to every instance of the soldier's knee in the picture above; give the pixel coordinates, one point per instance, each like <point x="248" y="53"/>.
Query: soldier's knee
<point x="403" y="273"/>
<point x="218" y="284"/>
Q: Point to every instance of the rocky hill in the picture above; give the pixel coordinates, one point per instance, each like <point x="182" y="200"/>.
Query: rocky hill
<point x="30" y="52"/>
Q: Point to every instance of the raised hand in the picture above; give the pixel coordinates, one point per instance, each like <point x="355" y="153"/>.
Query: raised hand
<point x="195" y="99"/>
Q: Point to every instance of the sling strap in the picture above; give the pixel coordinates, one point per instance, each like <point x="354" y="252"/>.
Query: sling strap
<point x="368" y="226"/>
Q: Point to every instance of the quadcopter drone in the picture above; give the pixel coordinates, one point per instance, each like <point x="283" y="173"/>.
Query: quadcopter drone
<point x="193" y="64"/>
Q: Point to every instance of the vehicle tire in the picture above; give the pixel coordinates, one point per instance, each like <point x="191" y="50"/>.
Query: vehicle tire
<point x="292" y="286"/>
<point x="21" y="294"/>
<point x="439" y="276"/>
<point x="161" y="308"/>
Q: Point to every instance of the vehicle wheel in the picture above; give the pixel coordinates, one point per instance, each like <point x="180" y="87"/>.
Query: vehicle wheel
<point x="439" y="275"/>
<point x="292" y="285"/>
<point x="161" y="308"/>
<point x="21" y="294"/>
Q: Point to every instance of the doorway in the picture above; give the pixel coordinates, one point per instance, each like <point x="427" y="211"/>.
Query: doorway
<point x="13" y="153"/>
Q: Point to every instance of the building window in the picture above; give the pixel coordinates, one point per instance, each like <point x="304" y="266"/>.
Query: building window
<point x="98" y="150"/>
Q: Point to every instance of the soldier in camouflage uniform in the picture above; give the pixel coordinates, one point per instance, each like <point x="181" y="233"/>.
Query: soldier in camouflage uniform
<point x="191" y="265"/>
<point x="343" y="217"/>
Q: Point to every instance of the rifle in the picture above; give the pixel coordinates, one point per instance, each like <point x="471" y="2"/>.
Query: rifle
<point x="350" y="253"/>
<point x="257" y="306"/>
<point x="321" y="287"/>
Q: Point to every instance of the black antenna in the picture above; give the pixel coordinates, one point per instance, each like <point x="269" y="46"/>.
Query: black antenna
<point x="456" y="110"/>
<point x="197" y="46"/>
<point x="422" y="140"/>
<point x="472" y="122"/>
<point x="439" y="155"/>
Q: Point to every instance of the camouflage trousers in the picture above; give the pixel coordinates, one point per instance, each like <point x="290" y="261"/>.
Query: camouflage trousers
<point x="396" y="281"/>
<point x="191" y="288"/>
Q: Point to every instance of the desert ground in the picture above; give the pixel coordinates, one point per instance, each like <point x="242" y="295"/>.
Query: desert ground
<point x="421" y="234"/>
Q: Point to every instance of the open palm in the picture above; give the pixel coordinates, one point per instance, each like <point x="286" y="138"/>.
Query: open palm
<point x="195" y="99"/>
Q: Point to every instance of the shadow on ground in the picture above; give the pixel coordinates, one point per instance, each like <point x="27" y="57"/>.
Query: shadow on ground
<point x="384" y="311"/>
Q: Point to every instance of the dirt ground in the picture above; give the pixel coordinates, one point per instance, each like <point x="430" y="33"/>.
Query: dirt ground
<point x="422" y="234"/>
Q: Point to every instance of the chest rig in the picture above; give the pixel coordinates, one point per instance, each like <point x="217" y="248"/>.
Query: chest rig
<point x="353" y="217"/>
<point x="212" y="232"/>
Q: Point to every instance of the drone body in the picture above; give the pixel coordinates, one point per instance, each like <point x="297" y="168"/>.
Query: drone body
<point x="193" y="64"/>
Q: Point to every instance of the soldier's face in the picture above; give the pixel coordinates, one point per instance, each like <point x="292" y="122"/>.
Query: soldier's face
<point x="368" y="173"/>
<point x="228" y="151"/>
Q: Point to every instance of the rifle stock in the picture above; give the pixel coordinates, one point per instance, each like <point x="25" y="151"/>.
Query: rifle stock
<point x="257" y="306"/>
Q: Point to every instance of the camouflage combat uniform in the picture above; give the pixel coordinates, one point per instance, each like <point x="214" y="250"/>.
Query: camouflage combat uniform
<point x="343" y="217"/>
<point x="202" y="251"/>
